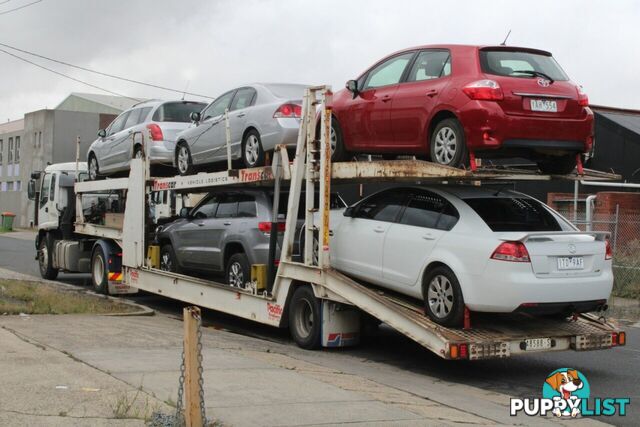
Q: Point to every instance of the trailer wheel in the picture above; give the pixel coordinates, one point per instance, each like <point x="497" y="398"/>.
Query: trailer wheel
<point x="443" y="299"/>
<point x="304" y="318"/>
<point x="45" y="260"/>
<point x="99" y="271"/>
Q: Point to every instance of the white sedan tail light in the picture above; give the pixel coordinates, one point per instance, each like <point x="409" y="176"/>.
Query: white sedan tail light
<point x="511" y="251"/>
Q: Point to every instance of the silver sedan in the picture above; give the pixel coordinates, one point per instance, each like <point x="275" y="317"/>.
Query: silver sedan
<point x="261" y="116"/>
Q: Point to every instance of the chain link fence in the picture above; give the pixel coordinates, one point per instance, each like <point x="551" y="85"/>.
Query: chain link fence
<point x="625" y="243"/>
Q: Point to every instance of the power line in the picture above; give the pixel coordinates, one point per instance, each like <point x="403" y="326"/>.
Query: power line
<point x="69" y="77"/>
<point x="18" y="8"/>
<point x="105" y="74"/>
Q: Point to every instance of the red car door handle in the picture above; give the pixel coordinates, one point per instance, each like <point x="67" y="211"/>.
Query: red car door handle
<point x="431" y="93"/>
<point x="386" y="98"/>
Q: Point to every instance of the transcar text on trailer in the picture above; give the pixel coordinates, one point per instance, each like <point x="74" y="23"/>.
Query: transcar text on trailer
<point x="321" y="306"/>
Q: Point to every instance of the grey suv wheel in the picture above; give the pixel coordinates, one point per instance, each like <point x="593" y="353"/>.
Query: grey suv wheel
<point x="238" y="270"/>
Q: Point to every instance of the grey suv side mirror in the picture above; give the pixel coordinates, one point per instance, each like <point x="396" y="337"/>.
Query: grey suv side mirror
<point x="348" y="212"/>
<point x="184" y="213"/>
<point x="195" y="117"/>
<point x="102" y="133"/>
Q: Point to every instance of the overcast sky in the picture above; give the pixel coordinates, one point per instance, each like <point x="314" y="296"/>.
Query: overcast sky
<point x="216" y="45"/>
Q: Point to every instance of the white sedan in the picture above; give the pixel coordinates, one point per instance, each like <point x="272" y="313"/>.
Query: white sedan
<point x="489" y="249"/>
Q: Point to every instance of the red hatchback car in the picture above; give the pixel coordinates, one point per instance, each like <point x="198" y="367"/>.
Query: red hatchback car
<point x="445" y="101"/>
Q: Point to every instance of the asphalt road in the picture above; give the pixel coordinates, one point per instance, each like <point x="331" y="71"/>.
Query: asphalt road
<point x="612" y="373"/>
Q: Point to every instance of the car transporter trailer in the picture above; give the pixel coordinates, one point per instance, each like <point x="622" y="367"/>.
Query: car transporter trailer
<point x="322" y="306"/>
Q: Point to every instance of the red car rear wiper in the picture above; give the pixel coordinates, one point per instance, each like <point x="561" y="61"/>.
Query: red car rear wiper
<point x="535" y="73"/>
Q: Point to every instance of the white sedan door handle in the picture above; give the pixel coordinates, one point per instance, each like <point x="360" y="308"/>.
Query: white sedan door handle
<point x="428" y="236"/>
<point x="379" y="229"/>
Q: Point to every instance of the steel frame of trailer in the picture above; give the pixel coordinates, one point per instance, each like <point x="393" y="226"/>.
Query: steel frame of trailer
<point x="341" y="297"/>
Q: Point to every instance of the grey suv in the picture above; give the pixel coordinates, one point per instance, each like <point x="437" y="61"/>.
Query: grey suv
<point x="226" y="232"/>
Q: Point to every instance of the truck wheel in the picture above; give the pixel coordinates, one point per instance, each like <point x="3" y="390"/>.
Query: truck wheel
<point x="238" y="270"/>
<point x="168" y="260"/>
<point x="443" y="299"/>
<point x="99" y="271"/>
<point x="45" y="258"/>
<point x="304" y="318"/>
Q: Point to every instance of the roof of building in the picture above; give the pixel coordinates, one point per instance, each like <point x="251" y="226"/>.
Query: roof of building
<point x="78" y="101"/>
<point x="629" y="119"/>
<point x="12" y="126"/>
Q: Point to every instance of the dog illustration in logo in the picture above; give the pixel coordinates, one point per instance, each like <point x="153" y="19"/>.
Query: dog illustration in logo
<point x="566" y="383"/>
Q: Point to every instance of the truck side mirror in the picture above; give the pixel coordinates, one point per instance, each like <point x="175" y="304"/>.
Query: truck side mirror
<point x="195" y="116"/>
<point x="184" y="213"/>
<point x="31" y="189"/>
<point x="352" y="86"/>
<point x="102" y="133"/>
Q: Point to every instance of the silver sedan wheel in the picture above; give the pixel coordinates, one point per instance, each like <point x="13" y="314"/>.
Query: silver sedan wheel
<point x="252" y="149"/>
<point x="446" y="145"/>
<point x="183" y="159"/>
<point x="93" y="168"/>
<point x="236" y="275"/>
<point x="440" y="296"/>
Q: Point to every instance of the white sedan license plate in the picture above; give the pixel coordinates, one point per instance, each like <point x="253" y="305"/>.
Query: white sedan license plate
<point x="537" y="343"/>
<point x="571" y="263"/>
<point x="544" y="105"/>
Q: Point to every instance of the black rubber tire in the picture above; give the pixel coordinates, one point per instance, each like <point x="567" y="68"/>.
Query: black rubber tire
<point x="558" y="165"/>
<point x="191" y="169"/>
<point x="260" y="159"/>
<point x="46" y="266"/>
<point x="305" y="318"/>
<point x="461" y="156"/>
<point x="242" y="262"/>
<point x="340" y="153"/>
<point x="173" y="265"/>
<point x="455" y="316"/>
<point x="97" y="174"/>
<point x="100" y="284"/>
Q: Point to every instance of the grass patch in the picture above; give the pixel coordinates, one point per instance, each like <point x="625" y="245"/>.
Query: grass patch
<point x="19" y="296"/>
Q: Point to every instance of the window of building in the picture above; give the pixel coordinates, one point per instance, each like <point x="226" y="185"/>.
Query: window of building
<point x="39" y="139"/>
<point x="17" y="185"/>
<point x="1" y="150"/>
<point x="17" y="153"/>
<point x="3" y="186"/>
<point x="9" y="186"/>
<point x="10" y="153"/>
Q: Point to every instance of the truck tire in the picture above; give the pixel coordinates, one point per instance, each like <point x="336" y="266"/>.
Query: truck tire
<point x="238" y="270"/>
<point x="45" y="258"/>
<point x="99" y="271"/>
<point x="305" y="318"/>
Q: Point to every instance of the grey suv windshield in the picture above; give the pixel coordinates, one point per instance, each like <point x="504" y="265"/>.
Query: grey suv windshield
<point x="520" y="64"/>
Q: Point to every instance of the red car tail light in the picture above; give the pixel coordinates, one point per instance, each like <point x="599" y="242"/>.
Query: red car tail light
<point x="287" y="111"/>
<point x="155" y="132"/>
<point x="511" y="251"/>
<point x="583" y="99"/>
<point x="265" y="227"/>
<point x="484" y="90"/>
<point x="608" y="252"/>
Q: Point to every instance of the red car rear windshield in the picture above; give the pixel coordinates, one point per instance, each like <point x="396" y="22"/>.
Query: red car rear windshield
<point x="514" y="214"/>
<point x="521" y="64"/>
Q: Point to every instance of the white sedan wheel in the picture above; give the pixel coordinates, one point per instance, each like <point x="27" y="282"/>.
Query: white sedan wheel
<point x="440" y="296"/>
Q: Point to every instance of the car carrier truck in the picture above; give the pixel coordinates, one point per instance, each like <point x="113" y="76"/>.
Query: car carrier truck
<point x="105" y="228"/>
